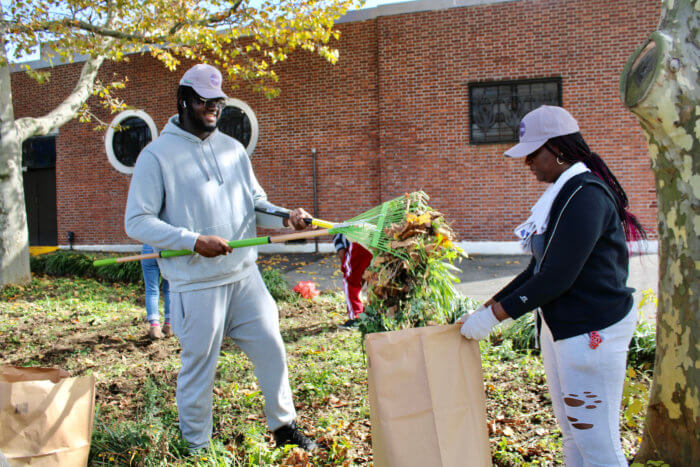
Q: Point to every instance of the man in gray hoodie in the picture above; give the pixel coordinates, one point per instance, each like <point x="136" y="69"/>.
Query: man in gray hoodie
<point x="194" y="188"/>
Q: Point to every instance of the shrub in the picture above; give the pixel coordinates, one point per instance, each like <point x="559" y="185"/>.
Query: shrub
<point x="74" y="264"/>
<point x="641" y="352"/>
<point x="278" y="286"/>
<point x="643" y="346"/>
<point x="129" y="272"/>
<point x="37" y="264"/>
<point x="521" y="332"/>
<point x="462" y="304"/>
<point x="69" y="263"/>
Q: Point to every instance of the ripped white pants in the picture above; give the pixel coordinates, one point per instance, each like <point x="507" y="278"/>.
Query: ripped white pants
<point x="585" y="384"/>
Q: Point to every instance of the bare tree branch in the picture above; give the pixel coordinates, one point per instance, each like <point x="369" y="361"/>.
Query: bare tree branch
<point x="29" y="126"/>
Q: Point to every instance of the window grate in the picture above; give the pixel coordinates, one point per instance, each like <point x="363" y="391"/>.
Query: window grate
<point x="133" y="136"/>
<point x="496" y="108"/>
<point x="235" y="123"/>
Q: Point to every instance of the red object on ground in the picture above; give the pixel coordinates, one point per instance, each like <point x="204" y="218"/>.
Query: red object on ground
<point x="306" y="289"/>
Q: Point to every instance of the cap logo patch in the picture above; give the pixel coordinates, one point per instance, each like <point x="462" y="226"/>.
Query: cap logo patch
<point x="522" y="129"/>
<point x="214" y="80"/>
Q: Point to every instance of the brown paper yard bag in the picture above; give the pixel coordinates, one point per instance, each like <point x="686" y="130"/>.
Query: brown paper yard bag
<point x="45" y="417"/>
<point x="427" y="401"/>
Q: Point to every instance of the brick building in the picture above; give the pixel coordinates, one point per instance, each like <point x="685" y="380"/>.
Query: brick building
<point x="426" y="95"/>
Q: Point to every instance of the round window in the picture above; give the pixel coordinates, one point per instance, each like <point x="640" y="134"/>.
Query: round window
<point x="126" y="136"/>
<point x="239" y="122"/>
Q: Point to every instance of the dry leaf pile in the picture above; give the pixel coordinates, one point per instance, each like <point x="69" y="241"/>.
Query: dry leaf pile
<point x="416" y="286"/>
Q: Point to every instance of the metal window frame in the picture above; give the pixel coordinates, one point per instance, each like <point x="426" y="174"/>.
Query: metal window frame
<point x="512" y="82"/>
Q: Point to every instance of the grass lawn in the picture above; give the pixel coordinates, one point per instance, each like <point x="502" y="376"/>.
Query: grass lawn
<point x="91" y="327"/>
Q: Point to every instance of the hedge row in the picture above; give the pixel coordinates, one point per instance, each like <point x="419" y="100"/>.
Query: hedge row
<point x="73" y="264"/>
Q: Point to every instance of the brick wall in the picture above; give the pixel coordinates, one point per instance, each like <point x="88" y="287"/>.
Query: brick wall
<point x="391" y="116"/>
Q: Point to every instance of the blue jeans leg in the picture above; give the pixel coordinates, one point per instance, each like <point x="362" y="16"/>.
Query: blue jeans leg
<point x="151" y="277"/>
<point x="166" y="300"/>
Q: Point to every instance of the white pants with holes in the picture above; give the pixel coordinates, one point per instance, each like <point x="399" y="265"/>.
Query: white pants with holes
<point x="586" y="389"/>
<point x="244" y="311"/>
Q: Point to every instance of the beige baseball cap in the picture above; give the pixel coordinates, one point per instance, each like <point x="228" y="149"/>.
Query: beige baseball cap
<point x="205" y="80"/>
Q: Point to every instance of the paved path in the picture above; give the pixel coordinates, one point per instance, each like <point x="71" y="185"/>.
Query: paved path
<point x="481" y="277"/>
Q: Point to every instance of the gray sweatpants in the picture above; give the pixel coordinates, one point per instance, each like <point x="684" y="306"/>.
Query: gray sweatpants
<point x="245" y="311"/>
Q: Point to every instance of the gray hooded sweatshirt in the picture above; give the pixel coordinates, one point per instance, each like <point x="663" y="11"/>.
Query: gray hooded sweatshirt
<point x="183" y="187"/>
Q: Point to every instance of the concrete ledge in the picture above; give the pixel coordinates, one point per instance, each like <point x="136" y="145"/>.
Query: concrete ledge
<point x="513" y="248"/>
<point x="491" y="248"/>
<point x="472" y="248"/>
<point x="265" y="249"/>
<point x="403" y="8"/>
<point x="120" y="248"/>
<point x="644" y="248"/>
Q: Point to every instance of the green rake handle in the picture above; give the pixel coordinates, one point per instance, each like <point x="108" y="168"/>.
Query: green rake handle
<point x="233" y="244"/>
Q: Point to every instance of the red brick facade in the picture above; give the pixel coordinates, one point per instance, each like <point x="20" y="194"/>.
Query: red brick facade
<point x="391" y="116"/>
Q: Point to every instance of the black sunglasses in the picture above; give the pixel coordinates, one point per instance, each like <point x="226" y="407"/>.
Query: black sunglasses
<point x="216" y="102"/>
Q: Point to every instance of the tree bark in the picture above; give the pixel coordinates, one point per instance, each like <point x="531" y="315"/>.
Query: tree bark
<point x="14" y="236"/>
<point x="660" y="86"/>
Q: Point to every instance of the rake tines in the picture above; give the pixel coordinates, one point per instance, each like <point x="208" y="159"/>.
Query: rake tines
<point x="369" y="228"/>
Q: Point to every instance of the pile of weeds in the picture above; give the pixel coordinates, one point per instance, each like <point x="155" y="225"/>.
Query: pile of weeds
<point x="416" y="287"/>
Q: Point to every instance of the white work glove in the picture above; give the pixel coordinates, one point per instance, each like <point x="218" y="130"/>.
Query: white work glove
<point x="479" y="324"/>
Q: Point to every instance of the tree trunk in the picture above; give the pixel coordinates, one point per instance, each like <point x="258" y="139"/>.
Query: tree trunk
<point x="14" y="238"/>
<point x="660" y="86"/>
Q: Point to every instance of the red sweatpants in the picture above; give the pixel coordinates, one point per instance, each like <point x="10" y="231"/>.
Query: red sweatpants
<point x="353" y="266"/>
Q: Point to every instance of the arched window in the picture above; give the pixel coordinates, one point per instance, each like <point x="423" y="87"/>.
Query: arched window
<point x="126" y="136"/>
<point x="238" y="121"/>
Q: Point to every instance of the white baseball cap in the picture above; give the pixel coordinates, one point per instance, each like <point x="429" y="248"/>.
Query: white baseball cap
<point x="205" y="80"/>
<point x="539" y="125"/>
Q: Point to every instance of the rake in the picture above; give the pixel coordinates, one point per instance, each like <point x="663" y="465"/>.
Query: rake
<point x="367" y="228"/>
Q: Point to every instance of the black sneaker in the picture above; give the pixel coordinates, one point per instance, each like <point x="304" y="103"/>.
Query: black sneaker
<point x="290" y="434"/>
<point x="349" y="324"/>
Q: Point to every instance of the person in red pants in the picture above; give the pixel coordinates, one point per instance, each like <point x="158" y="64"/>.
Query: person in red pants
<point x="354" y="259"/>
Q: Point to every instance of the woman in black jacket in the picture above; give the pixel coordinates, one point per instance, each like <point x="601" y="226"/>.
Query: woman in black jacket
<point x="576" y="283"/>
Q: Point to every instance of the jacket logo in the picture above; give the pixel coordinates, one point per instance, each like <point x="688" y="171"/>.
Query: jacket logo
<point x="523" y="298"/>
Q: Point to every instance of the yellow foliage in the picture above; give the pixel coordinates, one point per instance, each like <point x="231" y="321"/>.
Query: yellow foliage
<point x="243" y="39"/>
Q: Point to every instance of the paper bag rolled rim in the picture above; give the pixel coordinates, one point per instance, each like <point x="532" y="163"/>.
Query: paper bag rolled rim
<point x="14" y="374"/>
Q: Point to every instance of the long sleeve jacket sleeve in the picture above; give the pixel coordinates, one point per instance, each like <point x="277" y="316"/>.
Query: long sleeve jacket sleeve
<point x="580" y="285"/>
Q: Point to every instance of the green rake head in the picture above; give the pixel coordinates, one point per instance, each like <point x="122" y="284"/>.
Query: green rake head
<point x="369" y="228"/>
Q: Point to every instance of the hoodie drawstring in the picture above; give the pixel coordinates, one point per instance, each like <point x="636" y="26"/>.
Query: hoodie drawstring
<point x="210" y="162"/>
<point x="216" y="163"/>
<point x="202" y="163"/>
